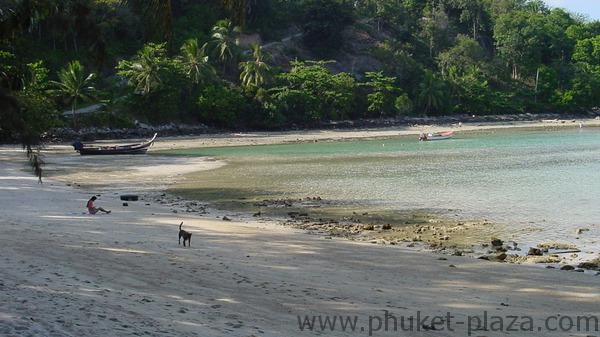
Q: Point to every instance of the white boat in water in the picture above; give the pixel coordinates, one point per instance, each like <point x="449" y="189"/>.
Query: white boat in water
<point x="435" y="135"/>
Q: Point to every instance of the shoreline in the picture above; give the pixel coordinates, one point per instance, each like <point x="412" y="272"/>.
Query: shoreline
<point x="285" y="137"/>
<point x="438" y="232"/>
<point x="432" y="232"/>
<point x="66" y="273"/>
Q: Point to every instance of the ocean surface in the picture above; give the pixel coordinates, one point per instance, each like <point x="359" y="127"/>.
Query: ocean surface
<point x="537" y="186"/>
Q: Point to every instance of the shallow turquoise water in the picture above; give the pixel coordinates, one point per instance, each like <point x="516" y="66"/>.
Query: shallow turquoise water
<point x="540" y="185"/>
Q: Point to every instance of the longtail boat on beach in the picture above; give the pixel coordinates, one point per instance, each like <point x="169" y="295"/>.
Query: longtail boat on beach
<point x="137" y="148"/>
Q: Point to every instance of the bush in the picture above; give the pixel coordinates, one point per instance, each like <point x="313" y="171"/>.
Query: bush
<point x="221" y="106"/>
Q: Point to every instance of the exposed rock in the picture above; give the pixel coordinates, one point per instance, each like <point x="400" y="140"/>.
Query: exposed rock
<point x="515" y="258"/>
<point x="534" y="252"/>
<point x="498" y="258"/>
<point x="581" y="230"/>
<point x="496" y="242"/>
<point x="589" y="265"/>
<point x="137" y="131"/>
<point x="567" y="267"/>
<point x="557" y="245"/>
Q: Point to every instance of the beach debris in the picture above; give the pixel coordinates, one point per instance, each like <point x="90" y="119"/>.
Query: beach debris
<point x="226" y="218"/>
<point x="567" y="267"/>
<point x="534" y="252"/>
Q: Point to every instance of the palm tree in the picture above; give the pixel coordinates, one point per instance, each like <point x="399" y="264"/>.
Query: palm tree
<point x="255" y="72"/>
<point x="431" y="92"/>
<point x="226" y="44"/>
<point x="144" y="70"/>
<point x="195" y="62"/>
<point x="73" y="85"/>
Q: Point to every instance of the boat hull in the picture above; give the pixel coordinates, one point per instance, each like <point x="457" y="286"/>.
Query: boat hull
<point x="109" y="151"/>
<point x="436" y="136"/>
<point x="139" y="148"/>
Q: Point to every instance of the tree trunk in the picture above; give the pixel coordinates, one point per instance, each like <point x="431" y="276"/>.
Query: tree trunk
<point x="73" y="114"/>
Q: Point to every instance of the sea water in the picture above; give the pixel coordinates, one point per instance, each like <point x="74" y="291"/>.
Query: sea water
<point x="538" y="186"/>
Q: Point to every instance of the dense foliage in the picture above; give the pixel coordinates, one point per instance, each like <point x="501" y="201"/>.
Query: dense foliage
<point x="181" y="61"/>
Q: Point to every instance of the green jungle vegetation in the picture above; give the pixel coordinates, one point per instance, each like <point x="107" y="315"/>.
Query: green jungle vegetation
<point x="273" y="64"/>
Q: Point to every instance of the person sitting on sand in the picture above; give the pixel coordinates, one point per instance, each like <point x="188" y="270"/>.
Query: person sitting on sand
<point x="92" y="209"/>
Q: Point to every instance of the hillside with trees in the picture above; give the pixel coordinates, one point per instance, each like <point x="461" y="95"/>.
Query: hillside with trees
<point x="274" y="64"/>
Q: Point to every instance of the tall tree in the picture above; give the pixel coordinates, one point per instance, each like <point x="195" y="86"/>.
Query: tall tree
<point x="518" y="40"/>
<point x="73" y="86"/>
<point x="536" y="7"/>
<point x="588" y="51"/>
<point x="195" y="62"/>
<point x="157" y="82"/>
<point x="255" y="72"/>
<point x="466" y="53"/>
<point x="224" y="35"/>
<point x="473" y="13"/>
<point x="431" y="93"/>
<point x="434" y="26"/>
<point x="144" y="70"/>
<point x="383" y="96"/>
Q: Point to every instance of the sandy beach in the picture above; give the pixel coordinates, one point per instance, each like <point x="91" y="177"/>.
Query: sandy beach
<point x="67" y="273"/>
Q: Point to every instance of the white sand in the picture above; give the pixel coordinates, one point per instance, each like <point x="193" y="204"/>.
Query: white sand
<point x="66" y="273"/>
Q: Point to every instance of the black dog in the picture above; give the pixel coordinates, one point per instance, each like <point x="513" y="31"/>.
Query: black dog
<point x="185" y="235"/>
